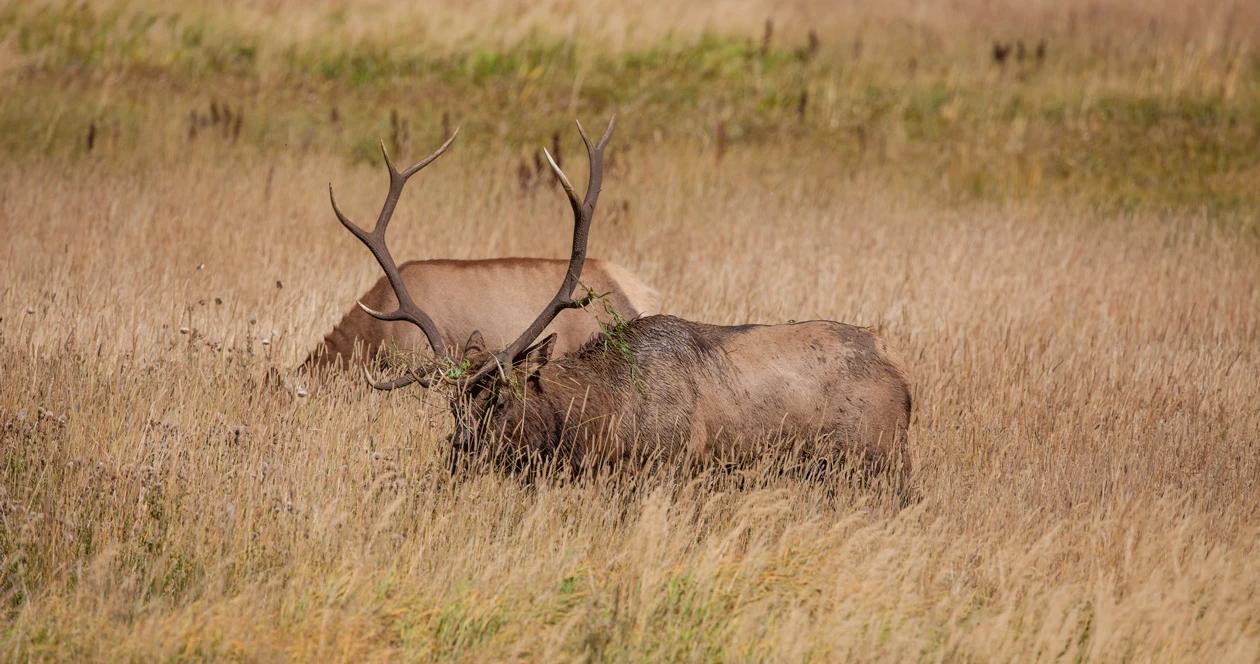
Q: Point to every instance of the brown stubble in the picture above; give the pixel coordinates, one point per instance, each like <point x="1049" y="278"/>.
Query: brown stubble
<point x="1083" y="437"/>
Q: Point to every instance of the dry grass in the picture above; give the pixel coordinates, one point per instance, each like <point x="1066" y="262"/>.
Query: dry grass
<point x="1084" y="432"/>
<point x="1085" y="429"/>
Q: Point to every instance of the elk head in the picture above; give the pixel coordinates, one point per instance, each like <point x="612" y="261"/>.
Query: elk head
<point x="485" y="386"/>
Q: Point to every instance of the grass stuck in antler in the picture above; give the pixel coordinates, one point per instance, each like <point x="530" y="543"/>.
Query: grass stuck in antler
<point x="614" y="336"/>
<point x="399" y="361"/>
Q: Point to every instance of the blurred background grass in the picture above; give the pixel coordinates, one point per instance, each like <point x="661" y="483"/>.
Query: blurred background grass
<point x="1118" y="104"/>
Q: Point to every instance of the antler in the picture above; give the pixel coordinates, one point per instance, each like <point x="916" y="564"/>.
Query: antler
<point x="375" y="242"/>
<point x="583" y="210"/>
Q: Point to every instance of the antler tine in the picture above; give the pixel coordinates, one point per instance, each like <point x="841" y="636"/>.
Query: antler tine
<point x="596" y="179"/>
<point x="603" y="140"/>
<point x="583" y="211"/>
<point x="398" y="179"/>
<point x="401" y="381"/>
<point x="564" y="182"/>
<point x="414" y="168"/>
<point x="374" y="240"/>
<point x="585" y="139"/>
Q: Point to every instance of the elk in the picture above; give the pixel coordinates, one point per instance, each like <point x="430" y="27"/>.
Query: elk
<point x="496" y="297"/>
<point x="656" y="386"/>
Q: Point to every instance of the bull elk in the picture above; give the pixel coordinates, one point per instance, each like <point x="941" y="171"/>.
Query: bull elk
<point x="497" y="297"/>
<point x="665" y="386"/>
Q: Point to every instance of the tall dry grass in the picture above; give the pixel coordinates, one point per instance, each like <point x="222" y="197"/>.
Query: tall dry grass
<point x="1084" y="434"/>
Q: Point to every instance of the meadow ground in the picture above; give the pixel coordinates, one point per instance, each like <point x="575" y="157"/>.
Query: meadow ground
<point x="1064" y="245"/>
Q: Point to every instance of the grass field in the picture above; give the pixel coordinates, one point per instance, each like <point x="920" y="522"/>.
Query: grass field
<point x="1065" y="249"/>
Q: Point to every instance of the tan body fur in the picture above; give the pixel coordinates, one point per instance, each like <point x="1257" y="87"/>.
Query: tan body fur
<point x="666" y="387"/>
<point x="497" y="296"/>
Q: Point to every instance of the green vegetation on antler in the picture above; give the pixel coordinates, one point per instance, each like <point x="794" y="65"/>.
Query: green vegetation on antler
<point x="614" y="334"/>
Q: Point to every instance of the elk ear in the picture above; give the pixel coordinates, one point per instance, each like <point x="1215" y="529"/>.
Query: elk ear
<point x="475" y="344"/>
<point x="539" y="354"/>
